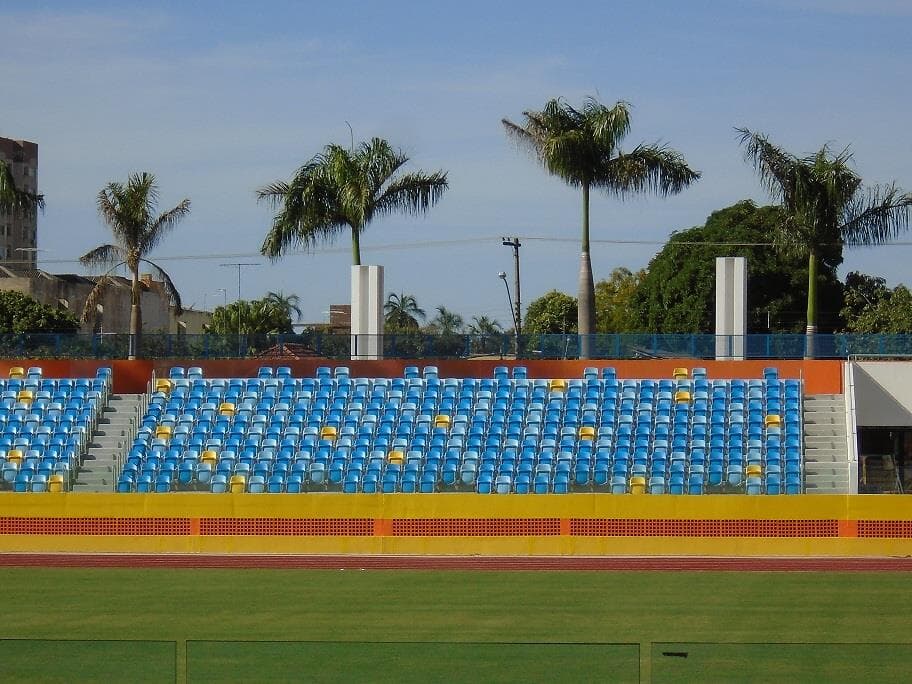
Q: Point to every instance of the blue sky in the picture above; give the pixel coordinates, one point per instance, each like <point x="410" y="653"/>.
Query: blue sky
<point x="218" y="99"/>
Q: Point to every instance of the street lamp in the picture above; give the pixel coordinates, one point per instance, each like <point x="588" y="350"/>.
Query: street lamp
<point x="503" y="277"/>
<point x="33" y="251"/>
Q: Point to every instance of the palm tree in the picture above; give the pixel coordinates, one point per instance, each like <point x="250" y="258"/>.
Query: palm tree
<point x="289" y="305"/>
<point x="401" y="311"/>
<point x="447" y="322"/>
<point x="824" y="203"/>
<point x="251" y="317"/>
<point x="129" y="211"/>
<point x="341" y="189"/>
<point x="582" y="147"/>
<point x="14" y="199"/>
<point x="482" y="325"/>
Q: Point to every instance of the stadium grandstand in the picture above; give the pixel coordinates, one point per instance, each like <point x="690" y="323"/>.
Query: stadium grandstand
<point x="520" y="457"/>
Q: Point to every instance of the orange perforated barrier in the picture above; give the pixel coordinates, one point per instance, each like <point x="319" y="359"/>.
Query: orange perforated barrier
<point x="342" y="527"/>
<point x="476" y="527"/>
<point x="704" y="528"/>
<point x="95" y="526"/>
<point x="885" y="528"/>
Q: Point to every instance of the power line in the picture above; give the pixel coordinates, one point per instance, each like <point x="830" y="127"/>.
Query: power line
<point x="431" y="244"/>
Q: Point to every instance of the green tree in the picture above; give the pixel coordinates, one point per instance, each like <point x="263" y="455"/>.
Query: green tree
<point x="290" y="304"/>
<point x="870" y="307"/>
<point x="582" y="147"/>
<point x="861" y="293"/>
<point x="486" y="335"/>
<point x="446" y="322"/>
<point x="614" y="301"/>
<point x="251" y="317"/>
<point x="551" y="314"/>
<point x="677" y="293"/>
<point x="19" y="313"/>
<point x="447" y="327"/>
<point x="342" y="189"/>
<point x="402" y="313"/>
<point x="823" y="202"/>
<point x="13" y="198"/>
<point x="129" y="210"/>
<point x="482" y="325"/>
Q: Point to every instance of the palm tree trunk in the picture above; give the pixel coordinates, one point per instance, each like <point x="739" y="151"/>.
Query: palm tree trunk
<point x="356" y="246"/>
<point x="586" y="295"/>
<point x="135" y="316"/>
<point x="811" y="329"/>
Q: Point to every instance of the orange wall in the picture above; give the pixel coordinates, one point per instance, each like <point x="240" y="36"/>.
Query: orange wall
<point x="821" y="377"/>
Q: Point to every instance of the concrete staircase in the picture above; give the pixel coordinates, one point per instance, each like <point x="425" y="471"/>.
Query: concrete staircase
<point x="98" y="472"/>
<point x="826" y="466"/>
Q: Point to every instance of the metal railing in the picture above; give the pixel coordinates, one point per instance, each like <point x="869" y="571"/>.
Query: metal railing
<point x="420" y="345"/>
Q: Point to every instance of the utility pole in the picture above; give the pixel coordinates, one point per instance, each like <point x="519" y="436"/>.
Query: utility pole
<point x="239" y="266"/>
<point x="516" y="244"/>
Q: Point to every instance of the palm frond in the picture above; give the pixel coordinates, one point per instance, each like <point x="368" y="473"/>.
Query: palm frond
<point x="90" y="308"/>
<point x="877" y="216"/>
<point x="168" y="284"/>
<point x="273" y="194"/>
<point x="103" y="255"/>
<point x="650" y="168"/>
<point x="162" y="225"/>
<point x="775" y="167"/>
<point x="13" y="198"/>
<point x="413" y="193"/>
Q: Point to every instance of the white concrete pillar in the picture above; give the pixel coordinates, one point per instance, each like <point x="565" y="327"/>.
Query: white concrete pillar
<point x="366" y="312"/>
<point x="731" y="307"/>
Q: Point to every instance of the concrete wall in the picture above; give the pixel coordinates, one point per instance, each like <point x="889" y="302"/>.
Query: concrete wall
<point x="883" y="394"/>
<point x="132" y="376"/>
<point x="71" y="292"/>
<point x="458" y="524"/>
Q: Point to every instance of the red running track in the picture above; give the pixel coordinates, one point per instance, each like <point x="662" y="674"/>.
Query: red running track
<point x="600" y="563"/>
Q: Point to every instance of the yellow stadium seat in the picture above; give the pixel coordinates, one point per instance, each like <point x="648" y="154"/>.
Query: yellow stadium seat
<point x="226" y="408"/>
<point x="587" y="432"/>
<point x="396" y="457"/>
<point x="680" y="374"/>
<point x="209" y="455"/>
<point x="56" y="483"/>
<point x="17" y="372"/>
<point x="772" y="419"/>
<point x="163" y="385"/>
<point x="25" y="396"/>
<point x="14" y="456"/>
<point x="237" y="484"/>
<point x="328" y="432"/>
<point x="753" y="470"/>
<point x="557" y="385"/>
<point x="637" y="484"/>
<point x="163" y="432"/>
<point x="682" y="396"/>
<point x="442" y="421"/>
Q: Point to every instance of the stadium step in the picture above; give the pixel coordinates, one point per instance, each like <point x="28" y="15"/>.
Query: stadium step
<point x="112" y="435"/>
<point x="826" y="465"/>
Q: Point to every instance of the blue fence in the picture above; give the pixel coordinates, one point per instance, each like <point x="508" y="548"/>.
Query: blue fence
<point x="419" y="346"/>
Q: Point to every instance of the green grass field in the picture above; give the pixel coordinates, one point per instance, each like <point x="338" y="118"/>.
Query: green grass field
<point x="279" y="625"/>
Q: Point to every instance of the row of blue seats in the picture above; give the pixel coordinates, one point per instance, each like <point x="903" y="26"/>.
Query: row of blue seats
<point x="772" y="484"/>
<point x="499" y="372"/>
<point x="462" y="469"/>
